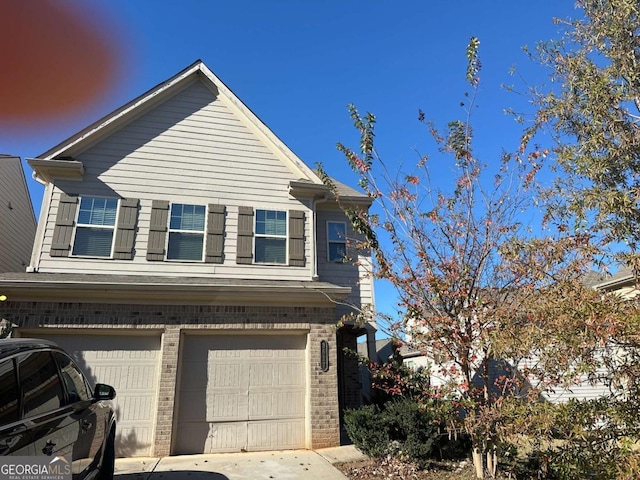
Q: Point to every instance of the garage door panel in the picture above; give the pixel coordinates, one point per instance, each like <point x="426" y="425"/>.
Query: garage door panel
<point x="260" y="405"/>
<point x="288" y="374"/>
<point x="289" y="403"/>
<point x="261" y="374"/>
<point x="265" y="403"/>
<point x="273" y="435"/>
<point x="254" y="396"/>
<point x="133" y="407"/>
<point x="225" y="373"/>
<point x="276" y="374"/>
<point x="226" y="406"/>
<point x="139" y="377"/>
<point x="226" y="436"/>
<point x="210" y="437"/>
<point x="130" y="365"/>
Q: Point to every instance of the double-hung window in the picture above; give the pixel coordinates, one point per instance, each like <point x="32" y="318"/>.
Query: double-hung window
<point x="271" y="237"/>
<point x="186" y="232"/>
<point x="337" y="241"/>
<point x="95" y="227"/>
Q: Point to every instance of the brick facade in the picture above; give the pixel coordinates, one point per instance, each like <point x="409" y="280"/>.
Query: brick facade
<point x="173" y="320"/>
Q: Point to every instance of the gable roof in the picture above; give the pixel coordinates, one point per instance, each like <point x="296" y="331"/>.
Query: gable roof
<point x="623" y="277"/>
<point x="58" y="156"/>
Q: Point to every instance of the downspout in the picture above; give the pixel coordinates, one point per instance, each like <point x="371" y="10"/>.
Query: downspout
<point x="42" y="223"/>
<point x="314" y="236"/>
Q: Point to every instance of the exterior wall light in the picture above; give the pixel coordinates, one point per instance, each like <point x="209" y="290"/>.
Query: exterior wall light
<point x="324" y="355"/>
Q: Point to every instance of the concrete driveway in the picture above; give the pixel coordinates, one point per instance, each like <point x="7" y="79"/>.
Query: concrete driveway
<point x="281" y="465"/>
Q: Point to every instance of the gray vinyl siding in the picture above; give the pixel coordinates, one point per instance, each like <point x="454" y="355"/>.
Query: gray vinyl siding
<point x="191" y="149"/>
<point x="345" y="274"/>
<point x="17" y="219"/>
<point x="583" y="390"/>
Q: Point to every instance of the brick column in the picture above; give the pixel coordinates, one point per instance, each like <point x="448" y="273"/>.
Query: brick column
<point x="325" y="419"/>
<point x="167" y="391"/>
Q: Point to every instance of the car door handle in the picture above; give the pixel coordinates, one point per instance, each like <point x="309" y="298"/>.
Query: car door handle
<point x="48" y="447"/>
<point x="86" y="425"/>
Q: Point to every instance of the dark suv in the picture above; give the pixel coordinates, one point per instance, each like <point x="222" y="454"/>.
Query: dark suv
<point x="47" y="408"/>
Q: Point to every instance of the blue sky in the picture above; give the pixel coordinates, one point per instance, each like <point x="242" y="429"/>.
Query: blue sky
<point x="297" y="64"/>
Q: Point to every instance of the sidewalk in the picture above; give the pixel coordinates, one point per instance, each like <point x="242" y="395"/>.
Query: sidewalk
<point x="280" y="465"/>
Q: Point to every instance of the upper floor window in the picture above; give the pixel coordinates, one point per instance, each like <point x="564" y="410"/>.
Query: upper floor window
<point x="95" y="227"/>
<point x="271" y="237"/>
<point x="336" y="241"/>
<point x="186" y="232"/>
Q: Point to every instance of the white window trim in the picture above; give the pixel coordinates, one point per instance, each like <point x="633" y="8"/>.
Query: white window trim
<point x="257" y="235"/>
<point x="169" y="230"/>
<point x="329" y="241"/>
<point x="77" y="224"/>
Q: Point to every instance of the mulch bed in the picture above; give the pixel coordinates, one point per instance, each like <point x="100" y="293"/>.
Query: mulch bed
<point x="393" y="468"/>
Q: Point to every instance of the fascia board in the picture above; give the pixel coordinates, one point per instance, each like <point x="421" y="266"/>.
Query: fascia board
<point x="174" y="294"/>
<point x="48" y="170"/>
<point x="615" y="283"/>
<point x="125" y="112"/>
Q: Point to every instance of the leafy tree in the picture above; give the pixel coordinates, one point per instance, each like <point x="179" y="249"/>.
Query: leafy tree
<point x="480" y="293"/>
<point x="591" y="111"/>
<point x="591" y="108"/>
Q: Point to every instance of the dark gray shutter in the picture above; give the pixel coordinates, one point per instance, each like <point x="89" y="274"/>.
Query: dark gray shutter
<point x="296" y="238"/>
<point x="215" y="234"/>
<point x="158" y="230"/>
<point x="126" y="229"/>
<point x="63" y="231"/>
<point x="244" y="252"/>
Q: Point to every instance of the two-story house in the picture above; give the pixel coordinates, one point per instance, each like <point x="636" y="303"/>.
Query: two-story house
<point x="186" y="256"/>
<point x="17" y="219"/>
<point x="17" y="223"/>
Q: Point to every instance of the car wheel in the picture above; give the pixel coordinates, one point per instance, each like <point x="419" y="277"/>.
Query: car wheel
<point x="108" y="458"/>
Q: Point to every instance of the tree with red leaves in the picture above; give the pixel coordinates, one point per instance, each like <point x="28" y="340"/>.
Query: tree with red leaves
<point x="486" y="298"/>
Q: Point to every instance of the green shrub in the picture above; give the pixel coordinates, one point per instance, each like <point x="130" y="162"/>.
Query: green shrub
<point x="368" y="430"/>
<point x="407" y="428"/>
<point x="414" y="428"/>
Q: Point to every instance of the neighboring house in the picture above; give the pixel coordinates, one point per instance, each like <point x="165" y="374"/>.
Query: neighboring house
<point x="17" y="220"/>
<point x="187" y="257"/>
<point x="623" y="283"/>
<point x="382" y="355"/>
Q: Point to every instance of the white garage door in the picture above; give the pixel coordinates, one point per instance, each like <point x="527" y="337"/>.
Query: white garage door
<point x="241" y="393"/>
<point x="131" y="365"/>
